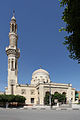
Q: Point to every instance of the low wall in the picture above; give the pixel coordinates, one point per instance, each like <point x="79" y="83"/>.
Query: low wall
<point x="75" y="105"/>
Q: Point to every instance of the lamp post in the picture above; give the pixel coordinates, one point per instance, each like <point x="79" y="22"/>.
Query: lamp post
<point x="50" y="95"/>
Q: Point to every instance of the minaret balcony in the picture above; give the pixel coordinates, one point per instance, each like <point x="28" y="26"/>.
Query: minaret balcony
<point x="13" y="50"/>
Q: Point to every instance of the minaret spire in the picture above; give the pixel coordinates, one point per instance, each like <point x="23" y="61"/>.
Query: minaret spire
<point x="40" y="66"/>
<point x="13" y="17"/>
<point x="14" y="13"/>
<point x="13" y="54"/>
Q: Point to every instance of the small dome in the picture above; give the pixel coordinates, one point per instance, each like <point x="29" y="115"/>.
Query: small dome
<point x="13" y="18"/>
<point x="40" y="71"/>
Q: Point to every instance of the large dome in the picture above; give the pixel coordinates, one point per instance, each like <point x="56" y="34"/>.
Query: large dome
<point x="40" y="76"/>
<point x="40" y="71"/>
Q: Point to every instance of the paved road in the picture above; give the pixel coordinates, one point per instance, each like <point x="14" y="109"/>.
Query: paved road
<point x="17" y="114"/>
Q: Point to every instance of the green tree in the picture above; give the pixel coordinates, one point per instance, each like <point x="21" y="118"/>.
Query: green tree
<point x="46" y="98"/>
<point x="76" y="95"/>
<point x="60" y="97"/>
<point x="12" y="98"/>
<point x="71" y="16"/>
<point x="19" y="99"/>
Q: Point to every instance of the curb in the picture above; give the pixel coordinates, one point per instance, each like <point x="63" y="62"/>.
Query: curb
<point x="63" y="109"/>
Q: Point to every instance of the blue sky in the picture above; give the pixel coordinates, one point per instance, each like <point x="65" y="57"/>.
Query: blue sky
<point x="40" y="41"/>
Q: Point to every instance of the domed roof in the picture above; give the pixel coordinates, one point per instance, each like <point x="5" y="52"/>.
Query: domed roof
<point x="40" y="71"/>
<point x="13" y="18"/>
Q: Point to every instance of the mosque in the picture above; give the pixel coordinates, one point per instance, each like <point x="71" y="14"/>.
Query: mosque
<point x="40" y="83"/>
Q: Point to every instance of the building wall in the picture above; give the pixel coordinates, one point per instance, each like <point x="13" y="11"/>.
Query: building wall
<point x="61" y="88"/>
<point x="1" y="93"/>
<point x="28" y="92"/>
<point x="38" y="92"/>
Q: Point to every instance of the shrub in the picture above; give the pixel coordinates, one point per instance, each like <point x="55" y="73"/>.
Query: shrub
<point x="12" y="98"/>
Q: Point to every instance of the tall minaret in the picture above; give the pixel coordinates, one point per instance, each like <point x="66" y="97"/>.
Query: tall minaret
<point x="13" y="54"/>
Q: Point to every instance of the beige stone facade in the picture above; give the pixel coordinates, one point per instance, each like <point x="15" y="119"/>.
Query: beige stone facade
<point x="1" y="93"/>
<point x="40" y="83"/>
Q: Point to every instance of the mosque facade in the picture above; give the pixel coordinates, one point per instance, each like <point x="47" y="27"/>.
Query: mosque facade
<point x="40" y="83"/>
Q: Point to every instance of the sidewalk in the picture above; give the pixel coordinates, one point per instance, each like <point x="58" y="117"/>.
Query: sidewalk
<point x="63" y="107"/>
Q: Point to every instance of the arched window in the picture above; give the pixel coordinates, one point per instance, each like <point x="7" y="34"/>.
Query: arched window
<point x="64" y="93"/>
<point x="15" y="28"/>
<point x="47" y="93"/>
<point x="12" y="27"/>
<point x="16" y="64"/>
<point x="12" y="64"/>
<point x="55" y="92"/>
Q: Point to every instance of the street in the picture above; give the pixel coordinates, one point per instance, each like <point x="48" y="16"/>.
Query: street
<point x="18" y="114"/>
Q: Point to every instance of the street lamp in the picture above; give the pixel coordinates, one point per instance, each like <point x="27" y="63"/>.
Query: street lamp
<point x="50" y="94"/>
